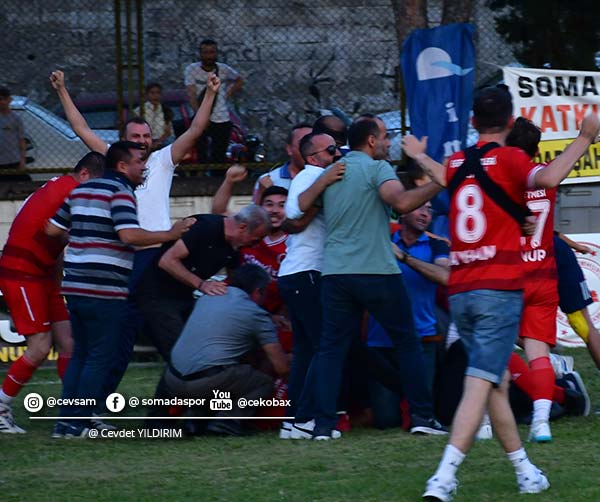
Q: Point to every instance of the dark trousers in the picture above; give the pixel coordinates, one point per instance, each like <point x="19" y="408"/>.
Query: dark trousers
<point x="301" y="294"/>
<point x="344" y="298"/>
<point x="164" y="318"/>
<point x="96" y="325"/>
<point x="219" y="134"/>
<point x="133" y="323"/>
<point x="240" y="380"/>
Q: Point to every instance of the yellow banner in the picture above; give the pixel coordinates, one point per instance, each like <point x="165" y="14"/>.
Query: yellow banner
<point x="586" y="166"/>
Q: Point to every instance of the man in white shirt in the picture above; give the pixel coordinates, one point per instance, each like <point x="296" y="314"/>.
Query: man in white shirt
<point x="300" y="272"/>
<point x="196" y="76"/>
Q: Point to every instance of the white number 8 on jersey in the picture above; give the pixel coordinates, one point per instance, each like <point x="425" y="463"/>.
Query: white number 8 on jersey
<point x="470" y="222"/>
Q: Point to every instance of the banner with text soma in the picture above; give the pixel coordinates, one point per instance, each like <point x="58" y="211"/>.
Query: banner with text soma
<point x="556" y="101"/>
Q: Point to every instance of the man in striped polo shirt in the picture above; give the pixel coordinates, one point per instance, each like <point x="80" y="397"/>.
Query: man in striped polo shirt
<point x="101" y="220"/>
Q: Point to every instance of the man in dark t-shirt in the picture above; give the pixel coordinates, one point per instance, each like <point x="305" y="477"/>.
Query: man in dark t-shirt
<point x="165" y="291"/>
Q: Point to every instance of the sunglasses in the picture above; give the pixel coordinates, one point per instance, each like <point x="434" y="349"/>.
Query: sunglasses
<point x="331" y="149"/>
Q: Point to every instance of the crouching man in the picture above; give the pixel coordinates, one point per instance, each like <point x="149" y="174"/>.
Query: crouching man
<point x="207" y="356"/>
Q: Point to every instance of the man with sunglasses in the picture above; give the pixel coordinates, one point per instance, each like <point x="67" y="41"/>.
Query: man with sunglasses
<point x="300" y="272"/>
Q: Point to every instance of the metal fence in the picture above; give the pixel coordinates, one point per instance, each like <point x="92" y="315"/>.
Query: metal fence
<point x="296" y="58"/>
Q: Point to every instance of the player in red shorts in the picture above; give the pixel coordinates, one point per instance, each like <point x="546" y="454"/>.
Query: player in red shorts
<point x="30" y="282"/>
<point x="540" y="300"/>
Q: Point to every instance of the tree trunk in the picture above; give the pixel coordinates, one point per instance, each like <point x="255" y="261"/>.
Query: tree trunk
<point x="457" y="11"/>
<point x="409" y="15"/>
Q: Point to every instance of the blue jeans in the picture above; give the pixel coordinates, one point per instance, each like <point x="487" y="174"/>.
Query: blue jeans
<point x="488" y="323"/>
<point x="96" y="325"/>
<point x="301" y="294"/>
<point x="344" y="298"/>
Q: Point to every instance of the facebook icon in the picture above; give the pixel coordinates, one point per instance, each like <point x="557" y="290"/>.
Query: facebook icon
<point x="115" y="402"/>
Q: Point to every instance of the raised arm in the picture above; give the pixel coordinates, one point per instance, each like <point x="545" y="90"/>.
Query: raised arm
<point x="561" y="166"/>
<point x="188" y="139"/>
<point x="416" y="150"/>
<point x="221" y="199"/>
<point x="78" y="123"/>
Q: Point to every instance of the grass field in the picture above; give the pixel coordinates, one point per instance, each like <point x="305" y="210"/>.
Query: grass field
<point x="365" y="464"/>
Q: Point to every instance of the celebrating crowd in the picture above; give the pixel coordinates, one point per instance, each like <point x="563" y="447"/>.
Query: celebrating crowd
<point x="326" y="304"/>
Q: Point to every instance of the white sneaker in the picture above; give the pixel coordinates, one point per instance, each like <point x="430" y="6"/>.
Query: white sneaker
<point x="7" y="422"/>
<point x="285" y="432"/>
<point x="101" y="425"/>
<point x="539" y="432"/>
<point x="532" y="482"/>
<point x="440" y="489"/>
<point x="485" y="429"/>
<point x="305" y="431"/>
<point x="302" y="430"/>
<point x="561" y="364"/>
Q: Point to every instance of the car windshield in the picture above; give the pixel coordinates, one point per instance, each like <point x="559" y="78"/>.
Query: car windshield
<point x="51" y="119"/>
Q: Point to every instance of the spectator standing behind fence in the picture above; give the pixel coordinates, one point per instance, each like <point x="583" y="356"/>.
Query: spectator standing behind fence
<point x="195" y="78"/>
<point x="158" y="116"/>
<point x="12" y="140"/>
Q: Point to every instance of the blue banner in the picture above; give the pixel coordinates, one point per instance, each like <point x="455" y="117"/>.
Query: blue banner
<point x="438" y="66"/>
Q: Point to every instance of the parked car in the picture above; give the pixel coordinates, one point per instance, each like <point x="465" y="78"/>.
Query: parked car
<point x="51" y="143"/>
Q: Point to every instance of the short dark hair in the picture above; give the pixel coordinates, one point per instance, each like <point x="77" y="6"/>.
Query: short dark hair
<point x="153" y="85"/>
<point x="360" y="130"/>
<point x="306" y="144"/>
<point x="250" y="277"/>
<point x="273" y="190"/>
<point x="326" y="125"/>
<point x="4" y="92"/>
<point x="492" y="109"/>
<point x="119" y="152"/>
<point x="525" y="135"/>
<point x="300" y="125"/>
<point x="132" y="120"/>
<point x="94" y="162"/>
<point x="207" y="41"/>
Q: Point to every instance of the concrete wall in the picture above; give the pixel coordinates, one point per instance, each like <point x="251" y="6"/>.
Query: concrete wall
<point x="347" y="47"/>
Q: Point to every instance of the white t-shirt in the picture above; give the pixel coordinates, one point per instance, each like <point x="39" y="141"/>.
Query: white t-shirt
<point x="195" y="75"/>
<point x="305" y="249"/>
<point x="153" y="196"/>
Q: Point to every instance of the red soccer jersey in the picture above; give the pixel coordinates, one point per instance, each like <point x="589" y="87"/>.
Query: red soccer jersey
<point x="486" y="241"/>
<point x="28" y="250"/>
<point x="538" y="249"/>
<point x="268" y="254"/>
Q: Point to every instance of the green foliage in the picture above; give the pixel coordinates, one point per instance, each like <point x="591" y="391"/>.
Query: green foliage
<point x="564" y="34"/>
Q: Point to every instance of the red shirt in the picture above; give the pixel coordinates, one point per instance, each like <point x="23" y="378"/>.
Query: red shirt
<point x="28" y="250"/>
<point x="268" y="254"/>
<point x="486" y="241"/>
<point x="538" y="250"/>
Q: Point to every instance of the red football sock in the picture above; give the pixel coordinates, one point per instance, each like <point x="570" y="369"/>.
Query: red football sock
<point x="537" y="380"/>
<point x="559" y="395"/>
<point x="61" y="364"/>
<point x="19" y="374"/>
<point x="518" y="368"/>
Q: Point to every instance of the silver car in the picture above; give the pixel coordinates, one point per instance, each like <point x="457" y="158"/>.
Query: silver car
<point x="51" y="143"/>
